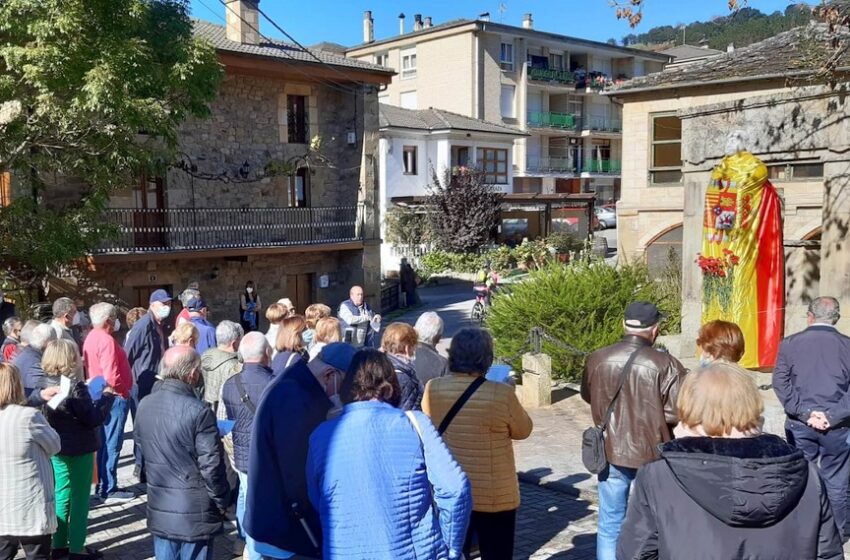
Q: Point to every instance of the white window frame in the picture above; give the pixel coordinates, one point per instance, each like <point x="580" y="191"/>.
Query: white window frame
<point x="506" y="62"/>
<point x="383" y="59"/>
<point x="512" y="107"/>
<point x="408" y="63"/>
<point x="413" y="168"/>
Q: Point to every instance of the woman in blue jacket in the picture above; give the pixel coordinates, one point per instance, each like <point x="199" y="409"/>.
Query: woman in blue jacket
<point x="396" y="459"/>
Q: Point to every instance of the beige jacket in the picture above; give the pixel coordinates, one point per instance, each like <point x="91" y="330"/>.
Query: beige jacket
<point x="481" y="436"/>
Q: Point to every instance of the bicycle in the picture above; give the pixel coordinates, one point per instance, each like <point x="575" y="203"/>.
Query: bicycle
<point x="479" y="308"/>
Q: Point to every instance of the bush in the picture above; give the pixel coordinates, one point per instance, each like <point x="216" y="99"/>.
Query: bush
<point x="564" y="243"/>
<point x="501" y="259"/>
<point x="581" y="304"/>
<point x="436" y="262"/>
<point x="533" y="254"/>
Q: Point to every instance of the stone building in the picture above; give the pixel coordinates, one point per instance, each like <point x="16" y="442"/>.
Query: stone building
<point x="249" y="197"/>
<point x="676" y="122"/>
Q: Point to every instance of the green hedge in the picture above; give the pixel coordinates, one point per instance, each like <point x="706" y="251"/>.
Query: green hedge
<point x="581" y="304"/>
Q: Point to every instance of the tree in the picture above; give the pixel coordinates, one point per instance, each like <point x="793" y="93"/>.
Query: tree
<point x="407" y="227"/>
<point x="632" y="10"/>
<point x="91" y="92"/>
<point x="463" y="209"/>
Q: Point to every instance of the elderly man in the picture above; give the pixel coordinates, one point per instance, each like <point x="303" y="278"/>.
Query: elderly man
<point x="812" y="381"/>
<point x="428" y="363"/>
<point x="64" y="313"/>
<point x="359" y="322"/>
<point x="146" y="343"/>
<point x="12" y="333"/>
<point x="104" y="357"/>
<point x="28" y="361"/>
<point x="198" y="313"/>
<point x="220" y="363"/>
<point x="643" y="412"/>
<point x="300" y="400"/>
<point x="240" y="396"/>
<point x="187" y="481"/>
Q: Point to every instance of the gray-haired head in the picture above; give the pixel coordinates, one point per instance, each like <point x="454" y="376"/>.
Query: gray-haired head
<point x="429" y="327"/>
<point x="41" y="335"/>
<point x="180" y="362"/>
<point x="824" y="309"/>
<point x="254" y="348"/>
<point x="100" y="313"/>
<point x="471" y="351"/>
<point x="228" y="332"/>
<point x="63" y="306"/>
<point x="10" y="324"/>
<point x="189" y="294"/>
<point x="26" y="331"/>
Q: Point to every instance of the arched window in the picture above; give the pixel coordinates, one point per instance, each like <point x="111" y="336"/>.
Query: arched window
<point x="665" y="250"/>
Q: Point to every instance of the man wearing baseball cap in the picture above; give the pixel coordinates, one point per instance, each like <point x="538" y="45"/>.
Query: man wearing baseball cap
<point x="198" y="314"/>
<point x="641" y="416"/>
<point x="146" y="342"/>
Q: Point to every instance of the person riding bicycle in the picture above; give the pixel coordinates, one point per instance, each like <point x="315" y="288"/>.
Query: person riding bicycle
<point x="486" y="282"/>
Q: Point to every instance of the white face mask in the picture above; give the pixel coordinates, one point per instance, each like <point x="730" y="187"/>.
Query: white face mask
<point x="117" y="326"/>
<point x="249" y="290"/>
<point x="163" y="312"/>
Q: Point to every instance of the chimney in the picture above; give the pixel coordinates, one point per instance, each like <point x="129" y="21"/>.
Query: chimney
<point x="417" y="22"/>
<point x="243" y="21"/>
<point x="401" y="24"/>
<point x="368" y="27"/>
<point x="527" y="22"/>
<point x="730" y="48"/>
<point x="484" y="17"/>
<point x="428" y="22"/>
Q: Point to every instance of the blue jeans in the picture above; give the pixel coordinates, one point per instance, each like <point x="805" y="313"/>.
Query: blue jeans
<point x="614" y="485"/>
<point x="240" y="515"/>
<point x="165" y="549"/>
<point x="112" y="434"/>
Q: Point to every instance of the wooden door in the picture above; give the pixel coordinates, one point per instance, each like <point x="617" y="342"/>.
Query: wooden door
<point x="149" y="224"/>
<point x="299" y="287"/>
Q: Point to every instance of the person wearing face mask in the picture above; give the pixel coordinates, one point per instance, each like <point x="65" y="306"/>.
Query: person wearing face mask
<point x="632" y="389"/>
<point x="240" y="396"/>
<point x="104" y="357"/>
<point x="298" y="401"/>
<point x="146" y="343"/>
<point x="249" y="308"/>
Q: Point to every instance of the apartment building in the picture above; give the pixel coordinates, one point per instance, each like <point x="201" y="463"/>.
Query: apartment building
<point x="543" y="83"/>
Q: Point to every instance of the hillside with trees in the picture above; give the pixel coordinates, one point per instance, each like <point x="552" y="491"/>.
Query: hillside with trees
<point x="743" y="27"/>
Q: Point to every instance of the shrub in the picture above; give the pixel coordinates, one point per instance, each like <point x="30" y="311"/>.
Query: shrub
<point x="435" y="262"/>
<point x="501" y="259"/>
<point x="581" y="304"/>
<point x="533" y="254"/>
<point x="564" y="243"/>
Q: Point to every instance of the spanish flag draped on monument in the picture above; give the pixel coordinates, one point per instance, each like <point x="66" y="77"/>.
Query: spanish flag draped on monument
<point x="742" y="259"/>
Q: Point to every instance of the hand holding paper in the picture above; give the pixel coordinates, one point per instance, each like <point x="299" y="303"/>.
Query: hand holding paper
<point x="64" y="391"/>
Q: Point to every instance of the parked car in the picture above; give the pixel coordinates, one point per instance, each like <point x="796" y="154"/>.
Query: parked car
<point x="606" y="217"/>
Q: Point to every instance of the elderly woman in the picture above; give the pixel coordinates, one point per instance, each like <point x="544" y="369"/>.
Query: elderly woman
<point x="312" y="315"/>
<point x="328" y="331"/>
<point x="28" y="515"/>
<point x="185" y="335"/>
<point x="78" y="420"/>
<point x="727" y="490"/>
<point x="720" y="340"/>
<point x="428" y="362"/>
<point x="480" y="435"/>
<point x="275" y="313"/>
<point x="418" y="497"/>
<point x="289" y="344"/>
<point x="399" y="344"/>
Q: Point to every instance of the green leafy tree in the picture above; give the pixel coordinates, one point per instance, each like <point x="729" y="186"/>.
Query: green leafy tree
<point x="92" y="92"/>
<point x="463" y="209"/>
<point x="407" y="227"/>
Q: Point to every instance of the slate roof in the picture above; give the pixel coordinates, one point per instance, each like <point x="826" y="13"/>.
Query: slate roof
<point x="432" y="119"/>
<point x="783" y="55"/>
<point x="684" y="52"/>
<point x="217" y="35"/>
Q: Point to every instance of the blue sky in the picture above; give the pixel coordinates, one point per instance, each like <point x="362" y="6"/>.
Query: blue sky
<point x="341" y="21"/>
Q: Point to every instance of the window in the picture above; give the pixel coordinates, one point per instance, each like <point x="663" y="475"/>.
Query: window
<point x="556" y="61"/>
<point x="507" y="102"/>
<point x="296" y="114"/>
<point x="382" y="59"/>
<point x="408" y="64"/>
<point x="409" y="155"/>
<point x="408" y="100"/>
<point x="298" y="192"/>
<point x="506" y="56"/>
<point x="795" y="171"/>
<point x="666" y="157"/>
<point x="5" y="188"/>
<point x="494" y="163"/>
<point x="460" y="156"/>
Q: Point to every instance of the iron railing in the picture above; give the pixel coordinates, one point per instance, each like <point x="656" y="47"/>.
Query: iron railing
<point x="542" y="119"/>
<point x="603" y="124"/>
<point x="602" y="166"/>
<point x="192" y="229"/>
<point x="551" y="75"/>
<point x="551" y="164"/>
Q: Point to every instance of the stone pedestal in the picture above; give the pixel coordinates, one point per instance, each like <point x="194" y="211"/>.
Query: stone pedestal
<point x="536" y="388"/>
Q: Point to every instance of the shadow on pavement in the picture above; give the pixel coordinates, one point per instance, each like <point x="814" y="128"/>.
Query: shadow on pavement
<point x="553" y="524"/>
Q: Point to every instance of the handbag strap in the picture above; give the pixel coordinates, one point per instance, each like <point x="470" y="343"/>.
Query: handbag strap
<point x="243" y="394"/>
<point x="623" y="375"/>
<point x="444" y="425"/>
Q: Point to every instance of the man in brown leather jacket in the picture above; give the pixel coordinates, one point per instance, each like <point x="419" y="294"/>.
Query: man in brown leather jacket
<point x="641" y="418"/>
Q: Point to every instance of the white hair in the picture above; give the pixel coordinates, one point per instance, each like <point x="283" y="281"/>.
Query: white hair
<point x="100" y="313"/>
<point x="639" y="331"/>
<point x="62" y="307"/>
<point x="41" y="335"/>
<point x="429" y="327"/>
<point x="254" y="347"/>
<point x="227" y="332"/>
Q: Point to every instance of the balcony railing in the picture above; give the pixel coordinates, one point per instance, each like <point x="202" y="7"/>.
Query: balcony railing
<point x="551" y="75"/>
<point x="602" y="166"/>
<point x="565" y="121"/>
<point x="536" y="164"/>
<point x="602" y="124"/>
<point x="198" y="229"/>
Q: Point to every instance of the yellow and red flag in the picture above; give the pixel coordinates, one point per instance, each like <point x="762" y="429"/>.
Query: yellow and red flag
<point x="742" y="259"/>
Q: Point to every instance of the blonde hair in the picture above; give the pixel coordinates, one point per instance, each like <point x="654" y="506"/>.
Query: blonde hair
<point x="315" y="312"/>
<point x="275" y="313"/>
<point x="289" y="335"/>
<point x="720" y="398"/>
<point x="399" y="338"/>
<point x="61" y="358"/>
<point x="328" y="330"/>
<point x="134" y="315"/>
<point x="11" y="388"/>
<point x="186" y="334"/>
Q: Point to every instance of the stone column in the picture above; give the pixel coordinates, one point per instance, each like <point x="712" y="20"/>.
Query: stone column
<point x="835" y="240"/>
<point x="695" y="185"/>
<point x="536" y="388"/>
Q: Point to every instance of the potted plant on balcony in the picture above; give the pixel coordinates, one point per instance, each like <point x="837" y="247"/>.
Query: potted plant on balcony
<point x="563" y="244"/>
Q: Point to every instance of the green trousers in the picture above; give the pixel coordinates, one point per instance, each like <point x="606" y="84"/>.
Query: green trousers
<point x="73" y="486"/>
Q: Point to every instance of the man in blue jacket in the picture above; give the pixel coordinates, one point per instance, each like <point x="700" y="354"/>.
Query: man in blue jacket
<point x="812" y="381"/>
<point x="198" y="313"/>
<point x="146" y="342"/>
<point x="292" y="407"/>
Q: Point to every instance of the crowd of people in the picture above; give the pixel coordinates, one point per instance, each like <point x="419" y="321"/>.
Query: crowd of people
<point x="334" y="437"/>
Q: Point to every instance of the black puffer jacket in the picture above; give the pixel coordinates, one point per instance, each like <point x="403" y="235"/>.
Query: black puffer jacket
<point x="254" y="378"/>
<point x="78" y="419"/>
<point x="411" y="388"/>
<point x="184" y="463"/>
<point x="716" y="498"/>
